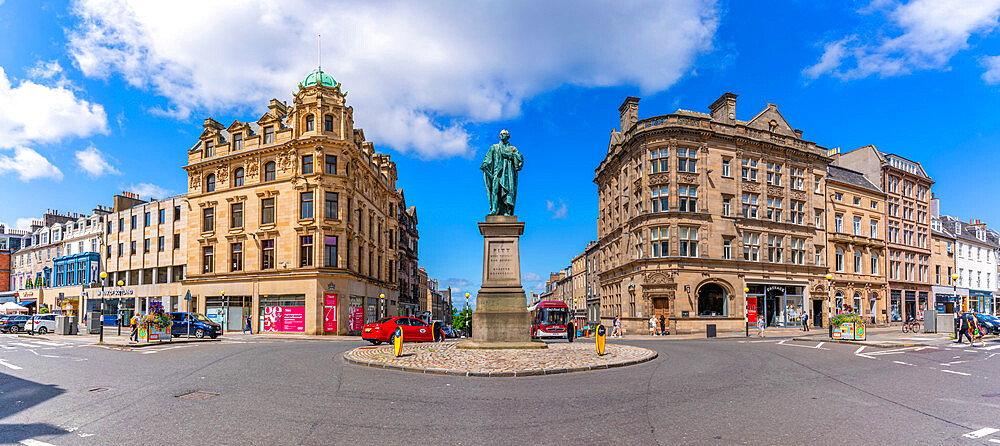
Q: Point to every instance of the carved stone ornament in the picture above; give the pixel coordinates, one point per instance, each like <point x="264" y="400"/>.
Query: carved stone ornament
<point x="775" y="191"/>
<point x="252" y="169"/>
<point x="285" y="160"/>
<point x="689" y="178"/>
<point x="658" y="179"/>
<point x="751" y="187"/>
<point x="222" y="174"/>
<point x="656" y="278"/>
<point x="818" y="287"/>
<point x="798" y="195"/>
<point x="195" y="181"/>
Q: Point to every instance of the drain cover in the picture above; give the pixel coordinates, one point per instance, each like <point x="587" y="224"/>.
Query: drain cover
<point x="99" y="389"/>
<point x="197" y="395"/>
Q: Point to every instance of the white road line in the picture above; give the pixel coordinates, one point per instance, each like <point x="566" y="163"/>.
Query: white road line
<point x="33" y="442"/>
<point x="820" y="345"/>
<point x="21" y="344"/>
<point x="162" y="349"/>
<point x="859" y="350"/>
<point x="992" y="347"/>
<point x="9" y="365"/>
<point x="994" y="440"/>
<point x="803" y="346"/>
<point x="48" y="344"/>
<point x="782" y="342"/>
<point x="957" y="373"/>
<point x="981" y="432"/>
<point x="903" y="363"/>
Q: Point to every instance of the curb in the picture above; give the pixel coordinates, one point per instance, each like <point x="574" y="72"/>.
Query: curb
<point x="513" y="374"/>
<point x="159" y="344"/>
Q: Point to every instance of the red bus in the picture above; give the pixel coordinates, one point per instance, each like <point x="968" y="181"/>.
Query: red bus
<point x="549" y="319"/>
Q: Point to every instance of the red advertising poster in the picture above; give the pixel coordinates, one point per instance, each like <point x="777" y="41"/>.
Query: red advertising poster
<point x="330" y="313"/>
<point x="293" y="319"/>
<point x="357" y="318"/>
<point x="272" y="318"/>
<point x="752" y="311"/>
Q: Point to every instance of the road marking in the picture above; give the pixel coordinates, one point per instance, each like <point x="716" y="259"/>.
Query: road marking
<point x="994" y="441"/>
<point x="992" y="347"/>
<point x="859" y="349"/>
<point x="162" y="349"/>
<point x="48" y="344"/>
<point x="820" y="345"/>
<point x="21" y="344"/>
<point x="33" y="442"/>
<point x="903" y="363"/>
<point x="9" y="365"/>
<point x="981" y="432"/>
<point x="957" y="373"/>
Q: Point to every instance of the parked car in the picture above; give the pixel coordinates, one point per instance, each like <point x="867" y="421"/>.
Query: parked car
<point x="195" y="324"/>
<point x="41" y="323"/>
<point x="414" y="330"/>
<point x="13" y="323"/>
<point x="450" y="332"/>
<point x="989" y="324"/>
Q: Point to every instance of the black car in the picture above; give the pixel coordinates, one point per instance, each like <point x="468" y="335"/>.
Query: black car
<point x="14" y="324"/>
<point x="989" y="324"/>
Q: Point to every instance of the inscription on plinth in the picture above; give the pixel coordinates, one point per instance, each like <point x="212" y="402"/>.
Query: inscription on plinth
<point x="500" y="261"/>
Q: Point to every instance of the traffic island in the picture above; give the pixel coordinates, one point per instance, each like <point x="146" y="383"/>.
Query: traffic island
<point x="444" y="358"/>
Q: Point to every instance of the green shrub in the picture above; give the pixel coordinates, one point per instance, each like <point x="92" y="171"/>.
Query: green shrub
<point x="846" y="317"/>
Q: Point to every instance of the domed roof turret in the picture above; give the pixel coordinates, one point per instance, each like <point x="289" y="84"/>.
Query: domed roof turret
<point x="319" y="77"/>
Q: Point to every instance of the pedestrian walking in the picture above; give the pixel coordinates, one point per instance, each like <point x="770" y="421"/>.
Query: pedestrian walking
<point x="805" y="321"/>
<point x="133" y="324"/>
<point x="760" y="328"/>
<point x="616" y="325"/>
<point x="976" y="330"/>
<point x="247" y="326"/>
<point x="663" y="325"/>
<point x="652" y="325"/>
<point x="963" y="328"/>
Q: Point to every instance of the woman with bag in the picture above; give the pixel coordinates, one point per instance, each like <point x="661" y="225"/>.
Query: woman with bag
<point x="976" y="330"/>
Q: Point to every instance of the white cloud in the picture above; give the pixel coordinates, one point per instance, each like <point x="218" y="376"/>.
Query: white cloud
<point x="29" y="165"/>
<point x="147" y="190"/>
<point x="930" y="33"/>
<point x="24" y="223"/>
<point x="531" y="277"/>
<point x="418" y="72"/>
<point x="559" y="211"/>
<point x="34" y="113"/>
<point x="46" y="70"/>
<point x="992" y="73"/>
<point x="92" y="161"/>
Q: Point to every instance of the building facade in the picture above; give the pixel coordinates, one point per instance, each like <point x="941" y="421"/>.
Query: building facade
<point x="409" y="286"/>
<point x="907" y="232"/>
<point x="145" y="249"/>
<point x="592" y="284"/>
<point x="578" y="283"/>
<point x="856" y="241"/>
<point x="695" y="208"/>
<point x="293" y="217"/>
<point x="947" y="297"/>
<point x="976" y="262"/>
<point x="11" y="240"/>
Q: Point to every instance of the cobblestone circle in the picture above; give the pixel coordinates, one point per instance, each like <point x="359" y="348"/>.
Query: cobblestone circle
<point x="443" y="358"/>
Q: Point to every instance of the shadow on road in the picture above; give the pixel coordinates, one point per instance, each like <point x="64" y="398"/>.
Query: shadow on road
<point x="17" y="395"/>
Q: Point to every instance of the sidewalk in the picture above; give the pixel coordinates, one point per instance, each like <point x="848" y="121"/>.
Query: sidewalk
<point x="821" y="333"/>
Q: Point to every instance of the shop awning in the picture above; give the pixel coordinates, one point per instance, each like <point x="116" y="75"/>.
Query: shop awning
<point x="27" y="302"/>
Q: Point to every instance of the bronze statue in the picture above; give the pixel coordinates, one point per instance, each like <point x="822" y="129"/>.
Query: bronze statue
<point x="500" y="168"/>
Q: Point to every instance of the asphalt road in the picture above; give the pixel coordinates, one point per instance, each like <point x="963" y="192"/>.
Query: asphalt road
<point x="302" y="392"/>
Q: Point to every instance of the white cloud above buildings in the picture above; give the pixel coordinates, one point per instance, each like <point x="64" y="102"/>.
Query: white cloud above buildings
<point x="95" y="163"/>
<point x="559" y="211"/>
<point x="28" y="165"/>
<point x="31" y="113"/>
<point x="918" y="35"/>
<point x="418" y="72"/>
<point x="148" y="190"/>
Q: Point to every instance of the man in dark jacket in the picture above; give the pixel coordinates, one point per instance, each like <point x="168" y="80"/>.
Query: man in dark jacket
<point x="963" y="328"/>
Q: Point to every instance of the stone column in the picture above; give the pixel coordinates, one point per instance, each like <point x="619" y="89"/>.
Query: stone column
<point x="501" y="319"/>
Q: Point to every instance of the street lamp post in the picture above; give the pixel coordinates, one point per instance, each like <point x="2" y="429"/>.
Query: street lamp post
<point x="746" y="311"/>
<point x="829" y="303"/>
<point x="954" y="292"/>
<point x="381" y="301"/>
<point x="467" y="316"/>
<point x="223" y="324"/>
<point x="100" y="320"/>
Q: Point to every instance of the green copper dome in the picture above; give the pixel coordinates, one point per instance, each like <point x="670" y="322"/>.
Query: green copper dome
<point x="319" y="77"/>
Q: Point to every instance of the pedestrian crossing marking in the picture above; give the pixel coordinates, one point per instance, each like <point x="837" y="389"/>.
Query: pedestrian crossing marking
<point x="981" y="432"/>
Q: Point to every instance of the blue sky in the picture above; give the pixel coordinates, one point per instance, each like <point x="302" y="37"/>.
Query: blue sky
<point x="97" y="97"/>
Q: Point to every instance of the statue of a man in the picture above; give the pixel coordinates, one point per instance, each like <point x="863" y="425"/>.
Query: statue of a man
<point x="500" y="174"/>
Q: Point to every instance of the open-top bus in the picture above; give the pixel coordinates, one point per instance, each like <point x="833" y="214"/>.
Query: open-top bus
<point x="549" y="319"/>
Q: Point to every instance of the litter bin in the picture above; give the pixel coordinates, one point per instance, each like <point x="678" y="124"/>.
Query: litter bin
<point x="94" y="322"/>
<point x="62" y="324"/>
<point x="710" y="330"/>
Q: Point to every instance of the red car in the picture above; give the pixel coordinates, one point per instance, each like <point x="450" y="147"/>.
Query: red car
<point x="414" y="330"/>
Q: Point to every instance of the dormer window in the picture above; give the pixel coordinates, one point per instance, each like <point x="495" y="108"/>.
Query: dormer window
<point x="269" y="134"/>
<point x="210" y="183"/>
<point x="310" y="123"/>
<point x="209" y="148"/>
<point x="237" y="142"/>
<point x="328" y="123"/>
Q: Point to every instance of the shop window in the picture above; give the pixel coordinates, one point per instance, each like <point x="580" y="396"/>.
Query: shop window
<point x="712" y="300"/>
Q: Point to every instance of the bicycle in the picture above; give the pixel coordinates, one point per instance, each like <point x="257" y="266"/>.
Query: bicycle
<point x="912" y="326"/>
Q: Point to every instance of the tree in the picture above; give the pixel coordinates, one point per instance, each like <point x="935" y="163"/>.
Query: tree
<point x="459" y="318"/>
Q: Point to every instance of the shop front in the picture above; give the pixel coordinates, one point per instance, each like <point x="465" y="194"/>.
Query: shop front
<point x="948" y="299"/>
<point x="230" y="312"/>
<point x="282" y="313"/>
<point x="980" y="301"/>
<point x="779" y="305"/>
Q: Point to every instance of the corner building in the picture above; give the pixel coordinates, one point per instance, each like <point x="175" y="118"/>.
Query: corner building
<point x="694" y="208"/>
<point x="292" y="218"/>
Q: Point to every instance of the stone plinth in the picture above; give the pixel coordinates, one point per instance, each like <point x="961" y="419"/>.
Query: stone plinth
<point x="501" y="319"/>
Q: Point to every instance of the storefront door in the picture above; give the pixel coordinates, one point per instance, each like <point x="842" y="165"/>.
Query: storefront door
<point x="817" y="316"/>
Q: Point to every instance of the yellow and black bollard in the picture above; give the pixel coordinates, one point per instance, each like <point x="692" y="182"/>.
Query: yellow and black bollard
<point x="600" y="340"/>
<point x="397" y="342"/>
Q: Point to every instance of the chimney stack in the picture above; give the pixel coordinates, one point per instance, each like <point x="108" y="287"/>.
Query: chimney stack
<point x="724" y="108"/>
<point x="629" y="113"/>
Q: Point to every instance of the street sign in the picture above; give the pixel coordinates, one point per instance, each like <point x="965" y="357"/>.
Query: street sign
<point x="397" y="342"/>
<point x="600" y="339"/>
<point x="752" y="311"/>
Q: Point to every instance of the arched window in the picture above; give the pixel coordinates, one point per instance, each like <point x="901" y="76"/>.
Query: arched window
<point x="838" y="302"/>
<point x="310" y="123"/>
<point x="712" y="300"/>
<point x="839" y="260"/>
<point x="210" y="183"/>
<point x="328" y="123"/>
<point x="238" y="177"/>
<point x="857" y="303"/>
<point x="269" y="171"/>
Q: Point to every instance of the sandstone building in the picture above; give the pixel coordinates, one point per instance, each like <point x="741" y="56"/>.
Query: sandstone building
<point x="695" y="208"/>
<point x="855" y="224"/>
<point x="293" y="217"/>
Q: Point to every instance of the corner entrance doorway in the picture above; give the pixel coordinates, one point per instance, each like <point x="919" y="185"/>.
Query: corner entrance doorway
<point x="817" y="313"/>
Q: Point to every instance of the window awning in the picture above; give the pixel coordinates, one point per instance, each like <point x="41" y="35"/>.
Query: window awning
<point x="27" y="302"/>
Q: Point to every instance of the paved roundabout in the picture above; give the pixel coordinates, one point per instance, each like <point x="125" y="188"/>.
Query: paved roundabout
<point x="443" y="358"/>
